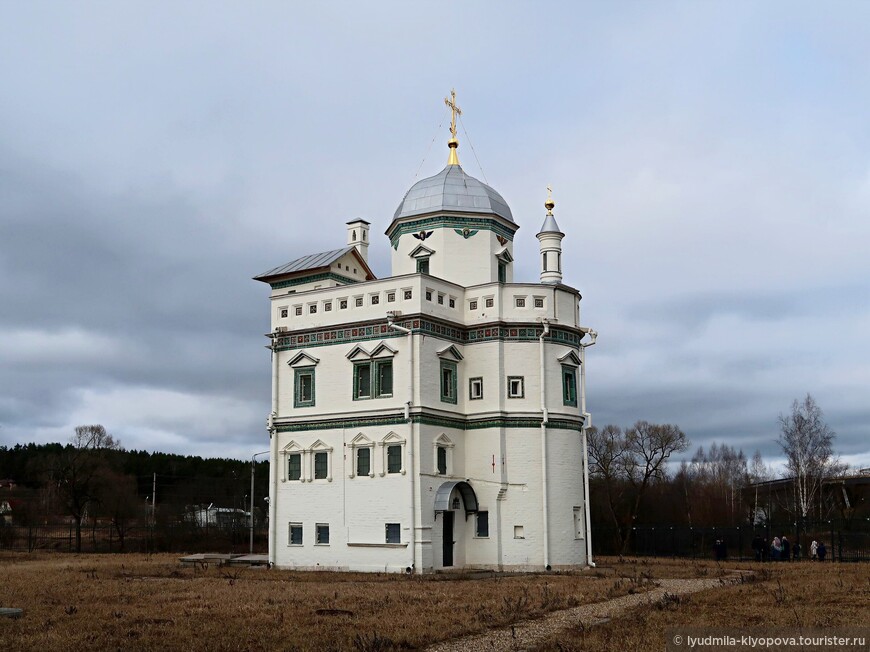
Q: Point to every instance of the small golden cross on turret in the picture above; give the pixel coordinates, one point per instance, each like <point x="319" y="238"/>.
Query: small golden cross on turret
<point x="455" y="111"/>
<point x="549" y="204"/>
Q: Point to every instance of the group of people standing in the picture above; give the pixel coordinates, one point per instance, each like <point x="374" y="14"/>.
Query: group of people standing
<point x="781" y="549"/>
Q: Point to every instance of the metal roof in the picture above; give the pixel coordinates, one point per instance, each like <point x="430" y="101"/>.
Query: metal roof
<point x="442" y="496"/>
<point x="550" y="226"/>
<point x="452" y="190"/>
<point x="311" y="261"/>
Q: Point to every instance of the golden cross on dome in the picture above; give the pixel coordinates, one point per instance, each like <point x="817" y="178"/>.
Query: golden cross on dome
<point x="453" y="143"/>
<point x="549" y="204"/>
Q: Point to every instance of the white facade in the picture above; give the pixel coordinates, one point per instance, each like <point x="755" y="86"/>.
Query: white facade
<point x="431" y="419"/>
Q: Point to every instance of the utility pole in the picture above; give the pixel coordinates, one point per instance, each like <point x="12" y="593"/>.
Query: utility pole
<point x="251" y="514"/>
<point x="154" y="500"/>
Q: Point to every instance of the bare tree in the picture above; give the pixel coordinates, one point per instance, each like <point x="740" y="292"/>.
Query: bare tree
<point x="629" y="462"/>
<point x="807" y="442"/>
<point x="80" y="472"/>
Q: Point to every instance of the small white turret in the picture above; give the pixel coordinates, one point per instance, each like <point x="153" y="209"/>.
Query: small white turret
<point x="550" y="238"/>
<point x="358" y="236"/>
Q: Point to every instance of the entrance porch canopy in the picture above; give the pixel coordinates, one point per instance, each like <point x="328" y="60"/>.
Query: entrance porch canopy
<point x="442" y="497"/>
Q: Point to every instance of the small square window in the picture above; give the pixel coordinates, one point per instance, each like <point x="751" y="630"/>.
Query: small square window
<point x="284" y="312"/>
<point x="321" y="465"/>
<point x="521" y="302"/>
<point x="408" y="295"/>
<point x="475" y="388"/>
<point x="321" y="534"/>
<point x="519" y="532"/>
<point x="423" y="266"/>
<point x="452" y="302"/>
<point x="298" y="311"/>
<point x="342" y="304"/>
<point x="539" y="302"/>
<point x="515" y="387"/>
<point x="296" y="534"/>
<point x="354" y="270"/>
<point x="358" y="302"/>
<point x="428" y="295"/>
<point x="440" y="299"/>
<point x="312" y="308"/>
<point x="482" y="526"/>
<point x="472" y="305"/>
<point x="393" y="533"/>
<point x="394" y="458"/>
<point x="376" y="299"/>
<point x="327" y="307"/>
<point x="489" y="302"/>
<point x="391" y="297"/>
<point x="294" y="466"/>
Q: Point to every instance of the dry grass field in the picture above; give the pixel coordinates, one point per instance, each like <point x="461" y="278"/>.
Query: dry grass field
<point x="791" y="595"/>
<point x="136" y="602"/>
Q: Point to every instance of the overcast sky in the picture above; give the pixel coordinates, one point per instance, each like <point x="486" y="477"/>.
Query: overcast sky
<point x="710" y="163"/>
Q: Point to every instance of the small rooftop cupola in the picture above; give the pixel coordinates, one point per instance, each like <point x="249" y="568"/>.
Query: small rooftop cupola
<point x="358" y="236"/>
<point x="550" y="238"/>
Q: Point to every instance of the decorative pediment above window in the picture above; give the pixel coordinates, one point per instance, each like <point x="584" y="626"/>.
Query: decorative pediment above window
<point x="444" y="440"/>
<point x="570" y="358"/>
<point x="303" y="359"/>
<point x="358" y="352"/>
<point x="450" y="353"/>
<point x="292" y="447"/>
<point x="319" y="445"/>
<point x="504" y="255"/>
<point x="392" y="438"/>
<point x="383" y="350"/>
<point x="421" y="251"/>
<point x="360" y="441"/>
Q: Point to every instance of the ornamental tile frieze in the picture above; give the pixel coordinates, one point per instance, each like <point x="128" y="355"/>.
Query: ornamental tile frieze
<point x="472" y="335"/>
<point x="458" y="423"/>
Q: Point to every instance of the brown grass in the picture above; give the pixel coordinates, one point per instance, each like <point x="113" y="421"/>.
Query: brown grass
<point x="92" y="602"/>
<point x="792" y="595"/>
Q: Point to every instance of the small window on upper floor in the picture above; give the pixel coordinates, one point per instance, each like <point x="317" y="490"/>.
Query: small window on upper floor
<point x="502" y="272"/>
<point x="391" y="297"/>
<point x="472" y="305"/>
<point x="569" y="385"/>
<point x="408" y="294"/>
<point x="321" y="465"/>
<point x="394" y="458"/>
<point x="376" y="299"/>
<point x="422" y="265"/>
<point x="489" y="302"/>
<point x="448" y="382"/>
<point x="363" y="461"/>
<point x="294" y="466"/>
<point x="428" y="295"/>
<point x="440" y="299"/>
<point x="283" y="312"/>
<point x="521" y="302"/>
<point x="441" y="460"/>
<point x="539" y="302"/>
<point x="452" y="302"/>
<point x="327" y="306"/>
<point x="358" y="302"/>
<point x="304" y="387"/>
<point x="312" y="308"/>
<point x="516" y="387"/>
<point x="475" y="388"/>
<point x="298" y="311"/>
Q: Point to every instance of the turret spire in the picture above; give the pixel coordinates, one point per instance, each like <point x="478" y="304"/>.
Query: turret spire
<point x="550" y="238"/>
<point x="453" y="144"/>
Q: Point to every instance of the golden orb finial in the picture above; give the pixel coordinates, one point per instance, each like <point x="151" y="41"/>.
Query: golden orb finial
<point x="549" y="204"/>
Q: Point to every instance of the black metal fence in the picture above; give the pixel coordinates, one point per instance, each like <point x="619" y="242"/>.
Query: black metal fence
<point x="842" y="543"/>
<point x="181" y="538"/>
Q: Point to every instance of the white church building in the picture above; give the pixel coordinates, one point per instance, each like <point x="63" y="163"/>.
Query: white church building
<point x="433" y="419"/>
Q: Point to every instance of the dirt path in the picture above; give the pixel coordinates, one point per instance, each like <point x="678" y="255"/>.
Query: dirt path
<point x="528" y="633"/>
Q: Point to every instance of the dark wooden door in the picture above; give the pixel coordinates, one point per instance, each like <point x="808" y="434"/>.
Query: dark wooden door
<point x="448" y="538"/>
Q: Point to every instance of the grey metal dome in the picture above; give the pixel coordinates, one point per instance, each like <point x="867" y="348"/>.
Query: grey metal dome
<point x="452" y="190"/>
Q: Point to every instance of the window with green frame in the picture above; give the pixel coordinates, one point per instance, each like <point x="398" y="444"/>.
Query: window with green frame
<point x="303" y="383"/>
<point x="502" y="272"/>
<point x="372" y="379"/>
<point x="422" y="265"/>
<point x="569" y="385"/>
<point x="362" y="380"/>
<point x="448" y="382"/>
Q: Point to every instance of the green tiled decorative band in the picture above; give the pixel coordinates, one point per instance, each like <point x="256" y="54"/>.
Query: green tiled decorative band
<point x="310" y="279"/>
<point x="458" y="423"/>
<point x="442" y="330"/>
<point x="450" y="222"/>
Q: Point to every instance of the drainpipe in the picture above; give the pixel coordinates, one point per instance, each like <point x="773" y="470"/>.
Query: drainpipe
<point x="411" y="456"/>
<point x="273" y="457"/>
<point x="545" y="418"/>
<point x="587" y="423"/>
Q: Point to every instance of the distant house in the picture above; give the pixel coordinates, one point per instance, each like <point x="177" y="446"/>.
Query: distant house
<point x="219" y="517"/>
